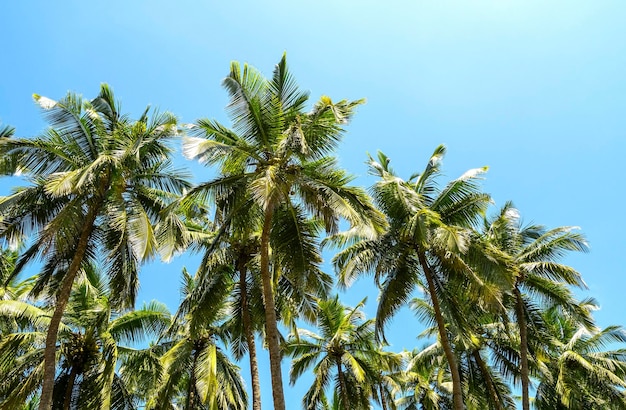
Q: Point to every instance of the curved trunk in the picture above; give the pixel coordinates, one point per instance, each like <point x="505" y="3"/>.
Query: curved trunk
<point x="271" y="327"/>
<point x="247" y="329"/>
<point x="69" y="389"/>
<point x="345" y="400"/>
<point x="62" y="298"/>
<point x="523" y="336"/>
<point x="457" y="393"/>
<point x="491" y="388"/>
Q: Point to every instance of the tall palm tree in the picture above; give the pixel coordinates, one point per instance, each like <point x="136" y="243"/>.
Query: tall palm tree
<point x="196" y="373"/>
<point x="247" y="316"/>
<point x="99" y="184"/>
<point x="578" y="372"/>
<point x="532" y="255"/>
<point x="91" y="340"/>
<point x="236" y="251"/>
<point x="345" y="351"/>
<point x="278" y="154"/>
<point x="429" y="233"/>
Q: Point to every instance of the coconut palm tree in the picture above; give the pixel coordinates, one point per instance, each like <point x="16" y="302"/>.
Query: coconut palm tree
<point x="196" y="373"/>
<point x="483" y="385"/>
<point x="90" y="342"/>
<point x="279" y="155"/>
<point x="99" y="184"/>
<point x="578" y="372"/>
<point x="425" y="380"/>
<point x="532" y="255"/>
<point x="430" y="230"/>
<point x="345" y="351"/>
<point x="247" y="317"/>
<point x="236" y="252"/>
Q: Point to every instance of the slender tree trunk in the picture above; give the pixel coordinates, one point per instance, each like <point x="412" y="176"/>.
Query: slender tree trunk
<point x="62" y="299"/>
<point x="247" y="329"/>
<point x="383" y="400"/>
<point x="457" y="393"/>
<point x="69" y="389"/>
<point x="345" y="400"/>
<point x="191" y="388"/>
<point x="271" y="326"/>
<point x="495" y="399"/>
<point x="523" y="335"/>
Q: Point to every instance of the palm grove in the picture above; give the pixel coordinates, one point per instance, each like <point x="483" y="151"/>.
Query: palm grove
<point x="101" y="196"/>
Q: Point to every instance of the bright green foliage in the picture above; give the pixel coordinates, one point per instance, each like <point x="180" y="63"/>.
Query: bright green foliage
<point x="195" y="372"/>
<point x="578" y="371"/>
<point x="344" y="355"/>
<point x="429" y="234"/>
<point x="278" y="157"/>
<point x="531" y="255"/>
<point x="101" y="191"/>
<point x="91" y="340"/>
<point x="92" y="157"/>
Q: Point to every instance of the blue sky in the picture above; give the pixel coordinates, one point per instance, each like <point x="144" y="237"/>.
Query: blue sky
<point x="536" y="90"/>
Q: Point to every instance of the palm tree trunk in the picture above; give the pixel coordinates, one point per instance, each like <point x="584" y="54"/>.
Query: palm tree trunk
<point x="523" y="335"/>
<point x="271" y="326"/>
<point x="383" y="400"/>
<point x="191" y="388"/>
<point x="345" y="400"/>
<point x="457" y="393"/>
<point x="62" y="298"/>
<point x="495" y="399"/>
<point x="69" y="389"/>
<point x="247" y="329"/>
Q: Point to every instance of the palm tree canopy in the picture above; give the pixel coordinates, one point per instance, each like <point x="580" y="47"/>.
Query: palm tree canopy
<point x="92" y="335"/>
<point x="345" y="351"/>
<point x="578" y="371"/>
<point x="422" y="217"/>
<point x="91" y="157"/>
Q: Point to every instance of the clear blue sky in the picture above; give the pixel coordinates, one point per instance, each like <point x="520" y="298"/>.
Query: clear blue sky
<point x="536" y="90"/>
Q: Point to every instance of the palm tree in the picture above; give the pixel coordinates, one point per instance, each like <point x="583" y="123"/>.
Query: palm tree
<point x="99" y="183"/>
<point x="532" y="255"/>
<point x="388" y="379"/>
<point x="425" y="380"/>
<point x="278" y="154"/>
<point x="346" y="348"/>
<point x="91" y="338"/>
<point x="246" y="320"/>
<point x="235" y="252"/>
<point x="483" y="385"/>
<point x="196" y="373"/>
<point x="429" y="233"/>
<point x="578" y="372"/>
